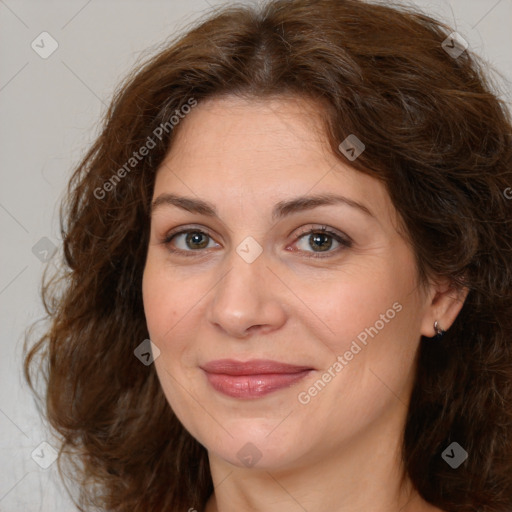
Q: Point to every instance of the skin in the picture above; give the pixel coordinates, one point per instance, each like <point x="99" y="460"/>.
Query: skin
<point x="341" y="450"/>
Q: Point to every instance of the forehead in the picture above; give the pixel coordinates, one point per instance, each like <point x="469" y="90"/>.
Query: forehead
<point x="268" y="149"/>
<point x="244" y="133"/>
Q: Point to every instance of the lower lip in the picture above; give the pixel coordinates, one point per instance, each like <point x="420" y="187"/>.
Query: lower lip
<point x="253" y="386"/>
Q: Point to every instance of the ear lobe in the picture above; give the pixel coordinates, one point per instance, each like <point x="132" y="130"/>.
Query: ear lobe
<point x="445" y="305"/>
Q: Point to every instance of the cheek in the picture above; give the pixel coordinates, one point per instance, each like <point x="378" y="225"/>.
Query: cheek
<point x="162" y="311"/>
<point x="373" y="319"/>
<point x="165" y="301"/>
<point x="165" y="309"/>
<point x="362" y="300"/>
<point x="172" y="307"/>
<point x="370" y="364"/>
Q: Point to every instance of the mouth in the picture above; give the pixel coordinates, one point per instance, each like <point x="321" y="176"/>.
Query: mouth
<point x="252" y="379"/>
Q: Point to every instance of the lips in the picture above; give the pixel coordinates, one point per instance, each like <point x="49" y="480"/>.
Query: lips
<point x="253" y="367"/>
<point x="252" y="379"/>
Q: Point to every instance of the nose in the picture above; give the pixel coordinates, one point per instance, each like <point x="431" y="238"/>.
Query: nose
<point x="247" y="299"/>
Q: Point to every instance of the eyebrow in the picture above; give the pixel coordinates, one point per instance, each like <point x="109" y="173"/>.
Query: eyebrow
<point x="280" y="210"/>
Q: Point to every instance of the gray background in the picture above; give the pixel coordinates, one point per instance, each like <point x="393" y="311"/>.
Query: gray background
<point x="50" y="111"/>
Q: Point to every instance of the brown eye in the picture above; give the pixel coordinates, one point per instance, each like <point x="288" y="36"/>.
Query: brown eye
<point x="188" y="241"/>
<point x="322" y="241"/>
<point x="196" y="240"/>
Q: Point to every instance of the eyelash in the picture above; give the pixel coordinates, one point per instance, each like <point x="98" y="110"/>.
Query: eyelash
<point x="344" y="241"/>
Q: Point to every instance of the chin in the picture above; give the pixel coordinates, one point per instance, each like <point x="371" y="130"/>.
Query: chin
<point x="253" y="448"/>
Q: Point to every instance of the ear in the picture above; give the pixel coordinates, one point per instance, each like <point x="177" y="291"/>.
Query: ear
<point x="444" y="302"/>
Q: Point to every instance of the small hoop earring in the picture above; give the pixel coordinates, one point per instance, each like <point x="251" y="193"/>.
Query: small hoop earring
<point x="439" y="332"/>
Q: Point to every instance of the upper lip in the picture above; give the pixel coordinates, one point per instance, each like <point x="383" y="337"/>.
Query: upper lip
<point x="252" y="367"/>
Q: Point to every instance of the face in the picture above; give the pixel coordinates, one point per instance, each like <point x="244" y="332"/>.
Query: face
<point x="283" y="300"/>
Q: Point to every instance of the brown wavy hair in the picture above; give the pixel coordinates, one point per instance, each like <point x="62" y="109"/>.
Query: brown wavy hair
<point x="436" y="134"/>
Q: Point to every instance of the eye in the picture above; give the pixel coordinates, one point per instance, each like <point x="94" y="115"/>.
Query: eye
<point x="322" y="240"/>
<point x="189" y="241"/>
<point x="315" y="241"/>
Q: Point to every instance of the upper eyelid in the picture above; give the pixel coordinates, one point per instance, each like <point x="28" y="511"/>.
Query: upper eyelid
<point x="305" y="230"/>
<point x="187" y="229"/>
<point x="323" y="229"/>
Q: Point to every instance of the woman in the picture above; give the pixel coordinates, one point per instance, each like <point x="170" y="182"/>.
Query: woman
<point x="303" y="209"/>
